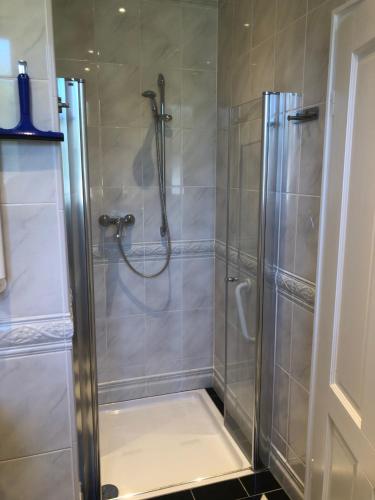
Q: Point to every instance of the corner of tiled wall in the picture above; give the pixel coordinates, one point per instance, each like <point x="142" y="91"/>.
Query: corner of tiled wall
<point x="36" y="393"/>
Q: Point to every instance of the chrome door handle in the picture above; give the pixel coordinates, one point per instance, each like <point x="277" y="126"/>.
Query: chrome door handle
<point x="244" y="285"/>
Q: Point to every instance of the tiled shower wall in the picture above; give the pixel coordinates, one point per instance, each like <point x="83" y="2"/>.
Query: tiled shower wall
<point x="156" y="335"/>
<point x="37" y="427"/>
<point x="280" y="45"/>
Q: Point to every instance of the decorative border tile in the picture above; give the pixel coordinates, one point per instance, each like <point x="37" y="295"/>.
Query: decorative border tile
<point x="288" y="283"/>
<point x="154" y="251"/>
<point x="36" y="333"/>
<point x="296" y="286"/>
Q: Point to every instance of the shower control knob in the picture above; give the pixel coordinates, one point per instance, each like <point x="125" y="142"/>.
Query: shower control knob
<point x="105" y="220"/>
<point x="129" y="220"/>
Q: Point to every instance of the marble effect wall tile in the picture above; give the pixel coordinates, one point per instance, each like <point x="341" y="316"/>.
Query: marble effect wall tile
<point x="47" y="475"/>
<point x="119" y="94"/>
<point x="125" y="290"/>
<point x="13" y="46"/>
<point x="161" y="34"/>
<point x="301" y="345"/>
<point x="39" y="421"/>
<point x="283" y="332"/>
<point x="264" y="20"/>
<point x="199" y="33"/>
<point x="28" y="174"/>
<point x="288" y="11"/>
<point x="242" y="24"/>
<point x="198" y="281"/>
<point x="121" y="157"/>
<point x="199" y="154"/>
<point x="262" y="63"/>
<point x="307" y="237"/>
<point x="197" y="338"/>
<point x="298" y="413"/>
<point x="288" y="231"/>
<point x="198" y="213"/>
<point x="125" y="356"/>
<point x="163" y="342"/>
<point x="281" y="402"/>
<point x="199" y="99"/>
<point x="33" y="264"/>
<point x="118" y="34"/>
<point x="77" y="38"/>
<point x="290" y="45"/>
<point x="164" y="293"/>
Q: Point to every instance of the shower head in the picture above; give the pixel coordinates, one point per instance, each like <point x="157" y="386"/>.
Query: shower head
<point x="149" y="93"/>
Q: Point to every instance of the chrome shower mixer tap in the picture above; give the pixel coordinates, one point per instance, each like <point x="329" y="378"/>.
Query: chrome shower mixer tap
<point x="119" y="222"/>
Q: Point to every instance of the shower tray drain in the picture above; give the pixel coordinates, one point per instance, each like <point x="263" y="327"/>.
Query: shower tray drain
<point x="109" y="491"/>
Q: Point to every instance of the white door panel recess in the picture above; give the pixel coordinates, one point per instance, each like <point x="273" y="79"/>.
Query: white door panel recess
<point x="341" y="451"/>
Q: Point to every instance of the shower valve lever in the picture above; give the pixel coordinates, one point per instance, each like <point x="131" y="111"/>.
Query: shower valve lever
<point x="107" y="220"/>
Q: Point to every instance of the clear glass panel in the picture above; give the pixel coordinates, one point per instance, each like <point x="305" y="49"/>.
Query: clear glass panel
<point x="259" y="136"/>
<point x="241" y="293"/>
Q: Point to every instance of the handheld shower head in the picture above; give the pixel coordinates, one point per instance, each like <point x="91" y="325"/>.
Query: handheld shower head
<point x="150" y="94"/>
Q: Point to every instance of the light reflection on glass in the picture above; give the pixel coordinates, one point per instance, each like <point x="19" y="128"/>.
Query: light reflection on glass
<point x="5" y="57"/>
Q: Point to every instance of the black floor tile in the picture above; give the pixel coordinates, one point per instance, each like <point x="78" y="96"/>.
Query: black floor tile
<point x="216" y="399"/>
<point x="271" y="495"/>
<point x="277" y="495"/>
<point x="226" y="490"/>
<point x="259" y="483"/>
<point x="180" y="495"/>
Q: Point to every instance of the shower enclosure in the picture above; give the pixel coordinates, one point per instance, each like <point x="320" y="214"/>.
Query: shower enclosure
<point x="257" y="135"/>
<point x="140" y="189"/>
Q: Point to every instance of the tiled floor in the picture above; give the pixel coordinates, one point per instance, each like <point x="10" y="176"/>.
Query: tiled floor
<point x="260" y="486"/>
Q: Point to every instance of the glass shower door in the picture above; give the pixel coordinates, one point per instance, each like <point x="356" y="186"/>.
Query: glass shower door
<point x="241" y="284"/>
<point x="256" y="153"/>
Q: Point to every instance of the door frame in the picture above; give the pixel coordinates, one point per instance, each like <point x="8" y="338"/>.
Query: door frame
<point x="324" y="209"/>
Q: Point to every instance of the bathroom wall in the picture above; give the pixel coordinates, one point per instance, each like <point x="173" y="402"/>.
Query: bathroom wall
<point x="280" y="45"/>
<point x="156" y="335"/>
<point x="36" y="408"/>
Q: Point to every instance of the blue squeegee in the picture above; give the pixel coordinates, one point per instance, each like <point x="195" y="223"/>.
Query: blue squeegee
<point x="25" y="129"/>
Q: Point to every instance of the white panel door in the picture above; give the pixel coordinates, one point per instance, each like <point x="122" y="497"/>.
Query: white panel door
<point x="342" y="425"/>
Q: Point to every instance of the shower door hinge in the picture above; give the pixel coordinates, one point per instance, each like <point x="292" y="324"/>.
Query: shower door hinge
<point x="61" y="105"/>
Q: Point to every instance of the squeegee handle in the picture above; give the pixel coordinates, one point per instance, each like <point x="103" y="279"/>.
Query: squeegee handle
<point x="24" y="95"/>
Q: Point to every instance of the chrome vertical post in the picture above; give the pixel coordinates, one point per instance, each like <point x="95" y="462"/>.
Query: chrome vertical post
<point x="161" y="85"/>
<point x="79" y="246"/>
<point x="267" y="96"/>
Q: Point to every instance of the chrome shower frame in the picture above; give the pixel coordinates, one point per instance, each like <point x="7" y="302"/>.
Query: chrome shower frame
<point x="79" y="248"/>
